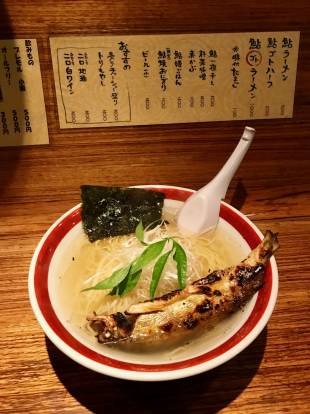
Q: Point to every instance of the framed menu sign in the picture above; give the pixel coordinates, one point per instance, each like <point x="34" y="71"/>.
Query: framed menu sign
<point x="22" y="108"/>
<point x="159" y="79"/>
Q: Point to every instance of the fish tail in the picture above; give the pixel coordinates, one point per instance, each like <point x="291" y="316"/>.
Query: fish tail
<point x="270" y="243"/>
<point x="264" y="250"/>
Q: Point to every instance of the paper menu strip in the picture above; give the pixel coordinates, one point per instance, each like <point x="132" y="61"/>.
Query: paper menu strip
<point x="22" y="108"/>
<point x="153" y="79"/>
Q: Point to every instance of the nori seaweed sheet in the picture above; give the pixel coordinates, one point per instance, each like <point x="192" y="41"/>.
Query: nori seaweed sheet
<point x="114" y="211"/>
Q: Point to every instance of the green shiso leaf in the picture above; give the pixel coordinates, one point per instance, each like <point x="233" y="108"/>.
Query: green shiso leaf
<point x="157" y="272"/>
<point x="124" y="280"/>
<point x="181" y="260"/>
<point x="140" y="233"/>
<point x="111" y="282"/>
<point x="148" y="254"/>
<point x="132" y="280"/>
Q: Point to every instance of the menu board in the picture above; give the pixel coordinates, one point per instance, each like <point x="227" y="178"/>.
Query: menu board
<point x="158" y="79"/>
<point x="22" y="109"/>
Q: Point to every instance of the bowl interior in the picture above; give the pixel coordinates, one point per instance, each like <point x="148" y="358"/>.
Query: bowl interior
<point x="54" y="254"/>
<point x="68" y="248"/>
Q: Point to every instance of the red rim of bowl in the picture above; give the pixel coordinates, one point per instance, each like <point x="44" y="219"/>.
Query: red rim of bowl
<point x="41" y="271"/>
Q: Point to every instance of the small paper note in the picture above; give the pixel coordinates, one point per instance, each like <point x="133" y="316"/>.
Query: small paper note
<point x="154" y="79"/>
<point x="22" y="108"/>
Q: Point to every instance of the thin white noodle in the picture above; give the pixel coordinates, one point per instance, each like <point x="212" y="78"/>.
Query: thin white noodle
<point x="97" y="261"/>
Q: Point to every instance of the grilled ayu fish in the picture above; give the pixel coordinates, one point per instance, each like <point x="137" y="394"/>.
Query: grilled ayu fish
<point x="203" y="303"/>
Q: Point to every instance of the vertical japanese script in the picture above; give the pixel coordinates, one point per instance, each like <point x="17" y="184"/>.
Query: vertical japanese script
<point x="22" y="108"/>
<point x="212" y="54"/>
<point x="93" y="84"/>
<point x="287" y="44"/>
<point x="136" y="80"/>
<point x="235" y="67"/>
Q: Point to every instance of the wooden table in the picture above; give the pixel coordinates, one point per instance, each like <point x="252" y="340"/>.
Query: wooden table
<point x="38" y="184"/>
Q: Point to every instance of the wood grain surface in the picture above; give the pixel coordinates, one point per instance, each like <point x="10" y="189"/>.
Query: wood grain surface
<point x="38" y="184"/>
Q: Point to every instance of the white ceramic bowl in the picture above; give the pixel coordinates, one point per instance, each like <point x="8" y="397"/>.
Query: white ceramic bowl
<point x="225" y="341"/>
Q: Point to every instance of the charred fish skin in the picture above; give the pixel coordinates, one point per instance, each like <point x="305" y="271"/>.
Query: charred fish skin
<point x="111" y="328"/>
<point x="206" y="300"/>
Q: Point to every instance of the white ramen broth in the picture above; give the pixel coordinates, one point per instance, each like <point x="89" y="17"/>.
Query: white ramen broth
<point x="96" y="261"/>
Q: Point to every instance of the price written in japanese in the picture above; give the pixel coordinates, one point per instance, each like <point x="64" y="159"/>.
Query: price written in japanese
<point x="22" y="109"/>
<point x="135" y="80"/>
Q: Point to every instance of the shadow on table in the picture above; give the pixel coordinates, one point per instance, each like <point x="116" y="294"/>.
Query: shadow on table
<point x="205" y="393"/>
<point x="237" y="197"/>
